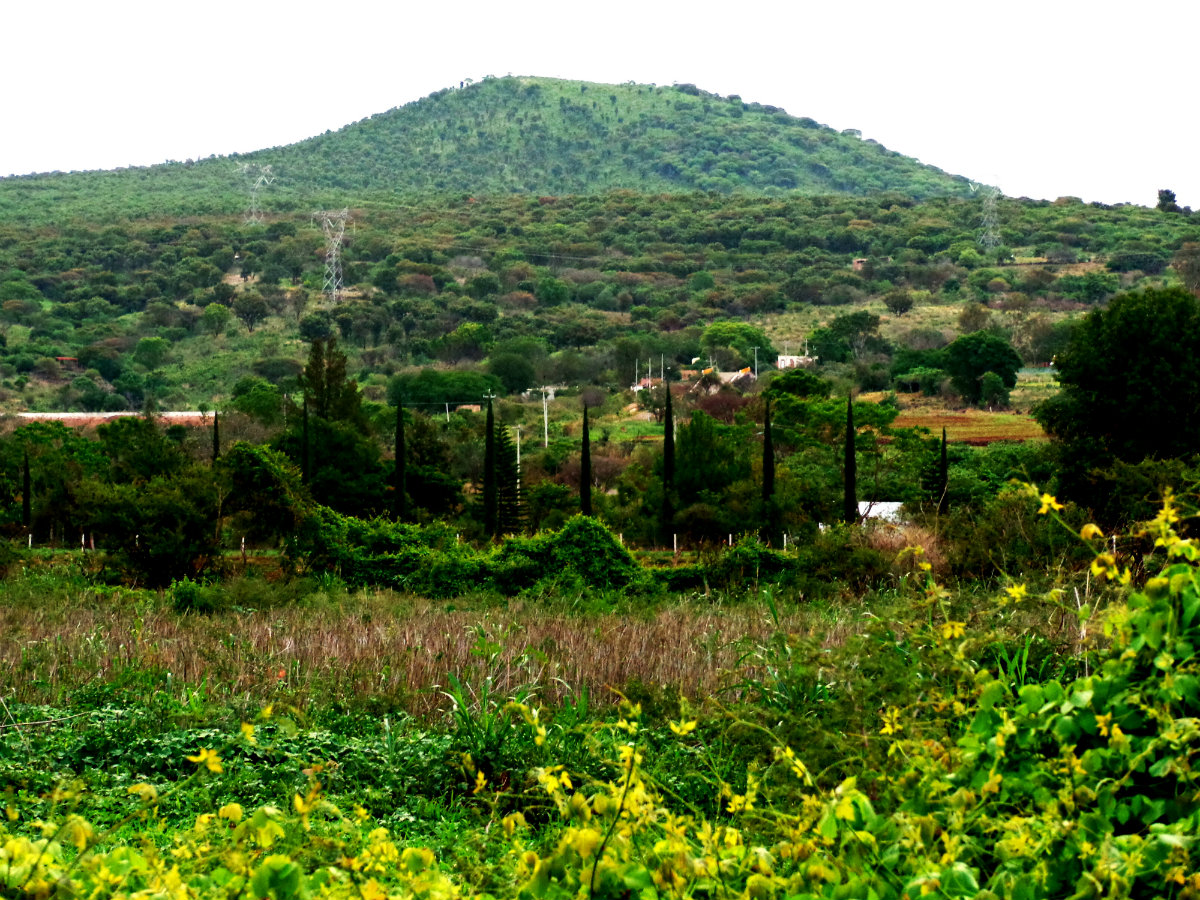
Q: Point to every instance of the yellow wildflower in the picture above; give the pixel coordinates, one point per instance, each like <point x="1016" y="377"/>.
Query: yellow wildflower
<point x="993" y="784"/>
<point x="1090" y="531"/>
<point x="1017" y="592"/>
<point x="145" y="792"/>
<point x="480" y="782"/>
<point x="1104" y="565"/>
<point x="231" y="811"/>
<point x="629" y="758"/>
<point x="683" y="728"/>
<point x="248" y="733"/>
<point x="1049" y="503"/>
<point x="891" y="722"/>
<point x="512" y="821"/>
<point x="953" y="629"/>
<point x="209" y="759"/>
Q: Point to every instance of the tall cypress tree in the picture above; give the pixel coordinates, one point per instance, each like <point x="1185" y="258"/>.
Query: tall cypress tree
<point x="489" y="473"/>
<point x="400" y="505"/>
<point x="768" y="458"/>
<point x="850" y="467"/>
<point x="305" y="455"/>
<point x="667" y="514"/>
<point x="768" y="477"/>
<point x="943" y="478"/>
<point x="585" y="469"/>
<point x="313" y="379"/>
<point x="216" y="436"/>
<point x="26" y="494"/>
<point x="668" y="441"/>
<point x="510" y="512"/>
<point x="333" y="396"/>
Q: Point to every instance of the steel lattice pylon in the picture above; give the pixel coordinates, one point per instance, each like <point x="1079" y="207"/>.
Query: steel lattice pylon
<point x="989" y="221"/>
<point x="333" y="223"/>
<point x="263" y="176"/>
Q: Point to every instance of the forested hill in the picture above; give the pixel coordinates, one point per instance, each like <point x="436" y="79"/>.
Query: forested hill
<point x="508" y="135"/>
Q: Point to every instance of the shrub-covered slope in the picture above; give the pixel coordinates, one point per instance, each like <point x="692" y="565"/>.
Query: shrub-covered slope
<point x="504" y="135"/>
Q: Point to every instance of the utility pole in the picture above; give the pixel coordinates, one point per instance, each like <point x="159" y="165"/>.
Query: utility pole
<point x="545" y="420"/>
<point x="755" y="349"/>
<point x="333" y="223"/>
<point x="518" y="427"/>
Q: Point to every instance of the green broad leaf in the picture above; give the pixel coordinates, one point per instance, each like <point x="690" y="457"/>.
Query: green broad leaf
<point x="985" y="722"/>
<point x="1153" y="632"/>
<point x="637" y="878"/>
<point x="1175" y="840"/>
<point x="827" y="827"/>
<point x="287" y="726"/>
<point x="277" y="878"/>
<point x="993" y="692"/>
<point x="1032" y="698"/>
<point x="1081" y="699"/>
<point x="958" y="881"/>
<point x="1054" y="692"/>
<point x="1097" y="824"/>
<point x="1190" y="607"/>
<point x="1066" y="729"/>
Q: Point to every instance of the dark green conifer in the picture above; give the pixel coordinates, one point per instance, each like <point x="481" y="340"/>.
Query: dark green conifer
<point x="770" y="526"/>
<point x="26" y="494"/>
<point x="490" y="523"/>
<point x="585" y="469"/>
<point x="943" y="478"/>
<point x="850" y="467"/>
<point x="400" y="484"/>
<point x="305" y="454"/>
<point x="667" y="514"/>
<point x="510" y="510"/>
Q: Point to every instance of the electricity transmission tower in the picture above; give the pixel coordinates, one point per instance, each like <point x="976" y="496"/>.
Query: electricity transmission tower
<point x="333" y="223"/>
<point x="989" y="222"/>
<point x="262" y="177"/>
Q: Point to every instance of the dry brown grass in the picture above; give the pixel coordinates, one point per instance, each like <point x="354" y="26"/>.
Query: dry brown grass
<point x="967" y="426"/>
<point x="394" y="649"/>
<point x="893" y="540"/>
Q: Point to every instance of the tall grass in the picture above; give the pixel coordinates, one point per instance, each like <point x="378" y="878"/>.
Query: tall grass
<point x="61" y="637"/>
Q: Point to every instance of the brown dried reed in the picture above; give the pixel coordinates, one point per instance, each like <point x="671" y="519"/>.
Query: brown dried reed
<point x="375" y="647"/>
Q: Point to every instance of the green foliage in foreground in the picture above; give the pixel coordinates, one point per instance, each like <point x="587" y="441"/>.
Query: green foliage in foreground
<point x="966" y="782"/>
<point x="431" y="561"/>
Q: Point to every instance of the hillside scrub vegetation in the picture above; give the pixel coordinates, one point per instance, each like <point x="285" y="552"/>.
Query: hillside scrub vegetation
<point x="542" y="557"/>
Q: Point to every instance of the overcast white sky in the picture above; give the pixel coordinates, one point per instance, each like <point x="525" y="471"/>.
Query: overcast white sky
<point x="1093" y="99"/>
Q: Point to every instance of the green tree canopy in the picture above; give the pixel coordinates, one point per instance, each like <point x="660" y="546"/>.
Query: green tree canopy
<point x="739" y="337"/>
<point x="1128" y="380"/>
<point x="330" y="393"/>
<point x="970" y="357"/>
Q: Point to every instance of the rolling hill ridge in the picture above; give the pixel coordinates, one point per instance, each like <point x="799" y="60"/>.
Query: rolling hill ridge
<point x="510" y="135"/>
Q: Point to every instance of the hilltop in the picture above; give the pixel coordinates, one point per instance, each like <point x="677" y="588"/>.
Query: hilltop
<point x="539" y="136"/>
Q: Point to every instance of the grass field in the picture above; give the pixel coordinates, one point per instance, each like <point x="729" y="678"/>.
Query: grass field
<point x="978" y="427"/>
